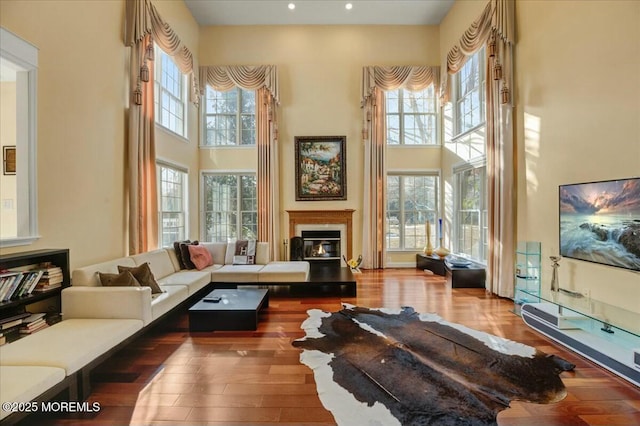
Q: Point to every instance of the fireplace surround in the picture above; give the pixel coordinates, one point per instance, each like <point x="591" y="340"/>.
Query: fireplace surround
<point x="324" y="220"/>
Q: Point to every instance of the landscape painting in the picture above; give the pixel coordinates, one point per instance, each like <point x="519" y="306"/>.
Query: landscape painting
<point x="600" y="222"/>
<point x="321" y="172"/>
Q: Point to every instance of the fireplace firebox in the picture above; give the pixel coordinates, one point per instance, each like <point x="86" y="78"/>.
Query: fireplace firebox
<point x="321" y="246"/>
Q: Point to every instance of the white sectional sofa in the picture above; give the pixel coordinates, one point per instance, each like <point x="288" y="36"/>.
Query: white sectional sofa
<point x="98" y="320"/>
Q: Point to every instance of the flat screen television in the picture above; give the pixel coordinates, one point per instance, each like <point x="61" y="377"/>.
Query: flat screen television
<point x="600" y="222"/>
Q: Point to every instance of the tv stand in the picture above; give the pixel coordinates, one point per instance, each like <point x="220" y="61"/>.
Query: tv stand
<point x="605" y="334"/>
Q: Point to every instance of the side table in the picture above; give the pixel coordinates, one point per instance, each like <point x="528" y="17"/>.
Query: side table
<point x="433" y="263"/>
<point x="472" y="276"/>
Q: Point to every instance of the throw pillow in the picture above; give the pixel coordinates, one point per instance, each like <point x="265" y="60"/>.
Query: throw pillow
<point x="176" y="248"/>
<point x="186" y="256"/>
<point x="123" y="279"/>
<point x="245" y="253"/>
<point x="144" y="276"/>
<point x="200" y="256"/>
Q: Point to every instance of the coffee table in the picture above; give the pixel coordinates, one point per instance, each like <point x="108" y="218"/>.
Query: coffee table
<point x="237" y="310"/>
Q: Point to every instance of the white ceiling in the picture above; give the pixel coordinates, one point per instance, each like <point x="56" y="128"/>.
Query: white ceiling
<point x="319" y="12"/>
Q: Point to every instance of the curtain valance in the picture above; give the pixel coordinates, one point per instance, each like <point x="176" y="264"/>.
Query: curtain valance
<point x="247" y="77"/>
<point x="394" y="77"/>
<point x="493" y="28"/>
<point x="143" y="19"/>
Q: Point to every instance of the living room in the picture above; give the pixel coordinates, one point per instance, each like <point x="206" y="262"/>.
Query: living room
<point x="565" y="55"/>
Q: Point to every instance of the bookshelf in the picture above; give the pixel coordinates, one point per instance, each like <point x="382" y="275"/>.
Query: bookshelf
<point x="48" y="301"/>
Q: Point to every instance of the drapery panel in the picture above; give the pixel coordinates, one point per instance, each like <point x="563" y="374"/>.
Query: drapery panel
<point x="375" y="81"/>
<point x="264" y="80"/>
<point x="373" y="214"/>
<point x="143" y="19"/>
<point x="494" y="29"/>
<point x="248" y="77"/>
<point x="141" y="161"/>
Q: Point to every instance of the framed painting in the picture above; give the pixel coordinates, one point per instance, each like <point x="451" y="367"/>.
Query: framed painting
<point x="321" y="168"/>
<point x="9" y="160"/>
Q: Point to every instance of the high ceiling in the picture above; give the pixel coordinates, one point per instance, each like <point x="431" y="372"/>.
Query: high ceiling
<point x="318" y="12"/>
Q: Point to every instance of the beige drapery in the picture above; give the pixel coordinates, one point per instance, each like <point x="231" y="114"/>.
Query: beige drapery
<point x="495" y="30"/>
<point x="143" y="27"/>
<point x="375" y="80"/>
<point x="263" y="79"/>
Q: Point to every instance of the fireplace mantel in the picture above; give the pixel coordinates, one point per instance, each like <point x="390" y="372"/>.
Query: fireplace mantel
<point x="344" y="217"/>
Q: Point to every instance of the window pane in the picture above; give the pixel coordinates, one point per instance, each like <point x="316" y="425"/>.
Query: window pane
<point x="393" y="129"/>
<point x="392" y="101"/>
<point x="411" y="117"/>
<point x="225" y="112"/>
<point x="171" y="205"/>
<point x="230" y="207"/>
<point x="170" y="96"/>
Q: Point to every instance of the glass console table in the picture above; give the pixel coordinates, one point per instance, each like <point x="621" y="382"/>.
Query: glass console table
<point x="605" y="334"/>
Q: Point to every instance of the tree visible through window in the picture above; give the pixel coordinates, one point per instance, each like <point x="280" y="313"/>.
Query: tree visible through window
<point x="411" y="117"/>
<point x="472" y="212"/>
<point x="172" y="205"/>
<point x="231" y="208"/>
<point x="230" y="117"/>
<point x="170" y="94"/>
<point x="411" y="201"/>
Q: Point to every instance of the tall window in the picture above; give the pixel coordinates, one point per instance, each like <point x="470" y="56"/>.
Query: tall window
<point x="469" y="143"/>
<point x="231" y="207"/>
<point x="411" y="201"/>
<point x="172" y="204"/>
<point x="170" y="94"/>
<point x="469" y="94"/>
<point x="471" y="209"/>
<point x="411" y="117"/>
<point x="230" y="117"/>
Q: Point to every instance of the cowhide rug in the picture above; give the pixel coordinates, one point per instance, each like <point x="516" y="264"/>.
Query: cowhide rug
<point x="378" y="367"/>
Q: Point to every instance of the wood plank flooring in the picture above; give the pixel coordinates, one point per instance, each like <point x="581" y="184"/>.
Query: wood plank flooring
<point x="173" y="377"/>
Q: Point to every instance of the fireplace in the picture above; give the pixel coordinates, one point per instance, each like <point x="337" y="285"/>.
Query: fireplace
<point x="321" y="246"/>
<point x="326" y="221"/>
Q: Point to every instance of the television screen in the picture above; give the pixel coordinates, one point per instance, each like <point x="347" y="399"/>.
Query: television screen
<point x="600" y="222"/>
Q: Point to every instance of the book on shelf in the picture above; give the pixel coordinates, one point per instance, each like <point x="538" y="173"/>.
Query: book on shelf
<point x="8" y="325"/>
<point x="34" y="317"/>
<point x="46" y="287"/>
<point x="10" y="318"/>
<point x="34" y="326"/>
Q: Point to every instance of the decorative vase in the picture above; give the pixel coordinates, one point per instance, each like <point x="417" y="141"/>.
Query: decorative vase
<point x="442" y="251"/>
<point x="428" y="249"/>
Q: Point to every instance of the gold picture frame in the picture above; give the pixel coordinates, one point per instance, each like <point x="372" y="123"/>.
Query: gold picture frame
<point x="9" y="160"/>
<point x="321" y="172"/>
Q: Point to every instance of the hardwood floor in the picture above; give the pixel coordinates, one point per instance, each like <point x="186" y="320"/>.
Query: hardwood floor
<point x="173" y="377"/>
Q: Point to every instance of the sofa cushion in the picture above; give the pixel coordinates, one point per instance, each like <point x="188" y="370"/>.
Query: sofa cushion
<point x="89" y="338"/>
<point x="194" y="280"/>
<point x="200" y="257"/>
<point x="123" y="279"/>
<point x="144" y="276"/>
<point x="88" y="275"/>
<point x="217" y="250"/>
<point x="162" y="303"/>
<point x="284" y="272"/>
<point x="158" y="260"/>
<point x="25" y="383"/>
<point x="245" y="252"/>
<point x="236" y="274"/>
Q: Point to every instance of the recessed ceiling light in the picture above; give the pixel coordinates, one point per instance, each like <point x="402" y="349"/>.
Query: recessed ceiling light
<point x="348" y="6"/>
<point x="291" y="6"/>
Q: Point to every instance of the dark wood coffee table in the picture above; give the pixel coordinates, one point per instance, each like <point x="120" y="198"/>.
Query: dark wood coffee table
<point x="237" y="310"/>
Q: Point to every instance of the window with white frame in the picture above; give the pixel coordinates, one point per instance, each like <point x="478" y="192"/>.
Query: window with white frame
<point x="230" y="207"/>
<point x="471" y="209"/>
<point x="470" y="234"/>
<point x="469" y="94"/>
<point x="170" y="94"/>
<point x="411" y="117"/>
<point x="172" y="204"/>
<point x="412" y="199"/>
<point x="229" y="117"/>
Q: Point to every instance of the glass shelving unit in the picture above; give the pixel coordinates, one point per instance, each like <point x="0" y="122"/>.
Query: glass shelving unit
<point x="527" y="276"/>
<point x="603" y="333"/>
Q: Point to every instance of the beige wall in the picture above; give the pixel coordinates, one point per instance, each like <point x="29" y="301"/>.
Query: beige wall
<point x="578" y="120"/>
<point x="320" y="71"/>
<point x="82" y="94"/>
